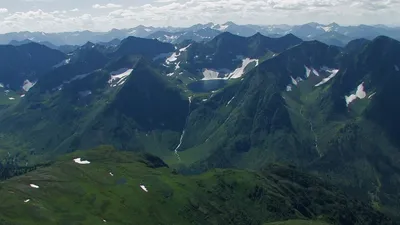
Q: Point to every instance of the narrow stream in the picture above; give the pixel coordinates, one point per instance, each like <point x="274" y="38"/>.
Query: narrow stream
<point x="183" y="132"/>
<point x="312" y="130"/>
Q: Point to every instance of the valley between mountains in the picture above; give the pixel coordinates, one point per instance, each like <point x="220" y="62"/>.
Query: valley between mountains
<point x="249" y="130"/>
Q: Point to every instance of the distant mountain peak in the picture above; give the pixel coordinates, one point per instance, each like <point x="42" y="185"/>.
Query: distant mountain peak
<point x="333" y="24"/>
<point x="227" y="36"/>
<point x="313" y="24"/>
<point x="290" y="35"/>
<point x="258" y="34"/>
<point x="230" y="23"/>
<point x="88" y="45"/>
<point x="382" y="38"/>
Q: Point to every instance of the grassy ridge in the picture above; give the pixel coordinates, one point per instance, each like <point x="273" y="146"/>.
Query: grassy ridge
<point x="71" y="193"/>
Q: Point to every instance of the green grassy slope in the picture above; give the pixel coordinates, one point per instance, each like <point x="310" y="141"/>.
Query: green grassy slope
<point x="146" y="113"/>
<point x="248" y="124"/>
<point x="355" y="147"/>
<point x="71" y="193"/>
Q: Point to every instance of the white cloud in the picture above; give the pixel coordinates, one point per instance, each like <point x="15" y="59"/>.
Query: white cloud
<point x="107" y="6"/>
<point x="3" y="10"/>
<point x="39" y="20"/>
<point x="189" y="12"/>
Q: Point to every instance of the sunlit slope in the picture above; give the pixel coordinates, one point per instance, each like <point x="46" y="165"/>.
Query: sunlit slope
<point x="112" y="187"/>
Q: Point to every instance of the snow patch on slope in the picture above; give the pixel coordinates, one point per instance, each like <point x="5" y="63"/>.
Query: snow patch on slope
<point x="240" y="71"/>
<point x="220" y="27"/>
<point x="333" y="74"/>
<point x="230" y="101"/>
<point x="315" y="72"/>
<point x="308" y="71"/>
<point x="62" y="63"/>
<point x="34" y="186"/>
<point x="171" y="38"/>
<point x="326" y="29"/>
<point x="185" y="48"/>
<point x="360" y="94"/>
<point x="175" y="55"/>
<point x="294" y="81"/>
<point x="172" y="58"/>
<point x="119" y="76"/>
<point x="144" y="188"/>
<point x="79" y="161"/>
<point x="177" y="67"/>
<point x="372" y="95"/>
<point x="27" y="85"/>
<point x="225" y="74"/>
<point x="210" y="74"/>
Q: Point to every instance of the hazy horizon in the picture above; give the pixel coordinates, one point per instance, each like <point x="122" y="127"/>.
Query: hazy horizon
<point x="104" y="31"/>
<point x="100" y="15"/>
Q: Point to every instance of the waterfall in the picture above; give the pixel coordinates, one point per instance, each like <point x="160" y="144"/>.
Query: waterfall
<point x="183" y="132"/>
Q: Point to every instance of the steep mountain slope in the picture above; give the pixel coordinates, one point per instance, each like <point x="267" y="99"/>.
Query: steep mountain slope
<point x="249" y="118"/>
<point x="126" y="103"/>
<point x="154" y="120"/>
<point x="368" y="139"/>
<point x="326" y="109"/>
<point x="26" y="62"/>
<point x="217" y="59"/>
<point x="106" y="186"/>
<point x="141" y="46"/>
<point x="315" y="106"/>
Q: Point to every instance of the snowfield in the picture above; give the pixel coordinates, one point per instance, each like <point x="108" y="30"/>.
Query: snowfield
<point x="225" y="74"/>
<point x="119" y="76"/>
<point x="210" y="74"/>
<point x="172" y="58"/>
<point x="239" y="72"/>
<point x="360" y="94"/>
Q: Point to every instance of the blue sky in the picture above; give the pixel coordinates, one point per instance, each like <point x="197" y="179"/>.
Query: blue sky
<point x="102" y="15"/>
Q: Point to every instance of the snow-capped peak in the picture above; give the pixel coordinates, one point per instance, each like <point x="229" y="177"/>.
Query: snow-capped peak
<point x="220" y="27"/>
<point x="327" y="29"/>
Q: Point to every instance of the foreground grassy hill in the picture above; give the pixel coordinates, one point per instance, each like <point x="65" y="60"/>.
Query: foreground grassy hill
<point x="123" y="188"/>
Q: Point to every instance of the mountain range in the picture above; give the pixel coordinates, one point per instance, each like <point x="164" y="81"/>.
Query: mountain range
<point x="325" y="113"/>
<point x="332" y="34"/>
